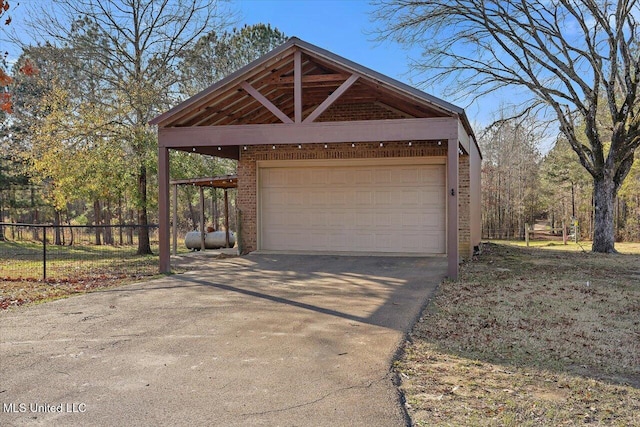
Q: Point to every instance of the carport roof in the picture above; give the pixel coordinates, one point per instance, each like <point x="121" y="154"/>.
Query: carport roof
<point x="230" y="101"/>
<point x="224" y="181"/>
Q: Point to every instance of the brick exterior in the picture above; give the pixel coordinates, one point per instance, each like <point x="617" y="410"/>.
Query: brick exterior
<point x="249" y="155"/>
<point x="349" y="112"/>
<point x="465" y="248"/>
<point x="247" y="169"/>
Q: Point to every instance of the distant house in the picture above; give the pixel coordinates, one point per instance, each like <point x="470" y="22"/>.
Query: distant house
<point x="333" y="157"/>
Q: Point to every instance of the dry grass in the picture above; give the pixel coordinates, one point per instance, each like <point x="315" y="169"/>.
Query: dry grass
<point x="18" y="292"/>
<point x="70" y="270"/>
<point x="625" y="248"/>
<point x="70" y="274"/>
<point x="529" y="337"/>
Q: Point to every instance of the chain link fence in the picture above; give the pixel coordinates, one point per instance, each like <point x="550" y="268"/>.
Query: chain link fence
<point x="73" y="252"/>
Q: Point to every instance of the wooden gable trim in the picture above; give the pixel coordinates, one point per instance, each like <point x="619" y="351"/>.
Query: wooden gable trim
<point x="297" y="86"/>
<point x="331" y="99"/>
<point x="264" y="101"/>
<point x="320" y="79"/>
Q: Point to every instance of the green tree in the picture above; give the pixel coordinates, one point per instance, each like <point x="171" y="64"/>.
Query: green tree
<point x="217" y="55"/>
<point x="566" y="187"/>
<point x="510" y="177"/>
<point x="568" y="56"/>
<point x="12" y="175"/>
<point x="629" y="206"/>
<point x="67" y="131"/>
<point x="137" y="45"/>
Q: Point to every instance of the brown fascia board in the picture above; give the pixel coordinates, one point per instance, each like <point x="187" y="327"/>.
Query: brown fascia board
<point x="340" y="62"/>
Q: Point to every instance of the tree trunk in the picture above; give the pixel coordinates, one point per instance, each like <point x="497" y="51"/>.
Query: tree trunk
<point x="57" y="240"/>
<point x="120" y="221"/>
<point x="604" y="195"/>
<point x="108" y="231"/>
<point x="130" y="229"/>
<point x="2" y="238"/>
<point x="96" y="220"/>
<point x="192" y="214"/>
<point x="144" y="246"/>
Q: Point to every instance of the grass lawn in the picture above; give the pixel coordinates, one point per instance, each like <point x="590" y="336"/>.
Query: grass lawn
<point x="23" y="260"/>
<point x="70" y="270"/>
<point x="529" y="337"/>
<point x="629" y="248"/>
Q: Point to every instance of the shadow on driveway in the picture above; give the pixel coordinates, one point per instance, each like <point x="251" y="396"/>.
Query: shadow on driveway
<point x="255" y="340"/>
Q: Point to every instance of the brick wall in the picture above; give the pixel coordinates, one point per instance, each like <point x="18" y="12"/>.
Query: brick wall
<point x="247" y="169"/>
<point x="363" y="111"/>
<point x="465" y="248"/>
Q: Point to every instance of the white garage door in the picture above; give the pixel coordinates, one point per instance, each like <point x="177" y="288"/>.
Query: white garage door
<point x="355" y="208"/>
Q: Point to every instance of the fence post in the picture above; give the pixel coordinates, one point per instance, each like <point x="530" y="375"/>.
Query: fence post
<point x="44" y="253"/>
<point x="564" y="233"/>
<point x="526" y="233"/>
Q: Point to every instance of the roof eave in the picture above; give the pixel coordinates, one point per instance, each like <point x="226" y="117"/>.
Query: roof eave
<point x="340" y="61"/>
<point x="221" y="83"/>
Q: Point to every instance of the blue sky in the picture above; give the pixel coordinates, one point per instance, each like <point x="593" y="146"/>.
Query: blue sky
<point x="343" y="27"/>
<point x="346" y="28"/>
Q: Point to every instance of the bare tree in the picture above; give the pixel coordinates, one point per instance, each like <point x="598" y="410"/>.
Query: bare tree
<point x="138" y="45"/>
<point x="510" y="169"/>
<point x="570" y="56"/>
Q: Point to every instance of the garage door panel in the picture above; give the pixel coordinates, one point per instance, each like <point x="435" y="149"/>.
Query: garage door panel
<point x="363" y="176"/>
<point x="337" y="177"/>
<point x="383" y="198"/>
<point x="382" y="176"/>
<point x="364" y="220"/>
<point x="364" y="198"/>
<point x="388" y="208"/>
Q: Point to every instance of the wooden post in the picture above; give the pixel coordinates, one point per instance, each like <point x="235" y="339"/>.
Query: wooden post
<point x="175" y="219"/>
<point x="202" y="230"/>
<point x="44" y="253"/>
<point x="452" y="209"/>
<point x="297" y="86"/>
<point x="526" y="233"/>
<point x="564" y="233"/>
<point x="226" y="217"/>
<point x="215" y="214"/>
<point x="163" y="208"/>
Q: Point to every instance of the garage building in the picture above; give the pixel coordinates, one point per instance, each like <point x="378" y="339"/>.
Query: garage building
<point x="332" y="157"/>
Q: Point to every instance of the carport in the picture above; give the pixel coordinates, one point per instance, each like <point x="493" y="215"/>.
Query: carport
<point x="332" y="152"/>
<point x="225" y="182"/>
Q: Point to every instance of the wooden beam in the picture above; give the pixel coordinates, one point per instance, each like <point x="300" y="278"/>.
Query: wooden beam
<point x="314" y="78"/>
<point x="441" y="128"/>
<point x="297" y="86"/>
<point x="264" y="101"/>
<point x="331" y="99"/>
<point x="222" y="181"/>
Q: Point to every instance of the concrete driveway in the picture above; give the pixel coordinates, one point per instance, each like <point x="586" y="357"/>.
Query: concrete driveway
<point x="274" y="340"/>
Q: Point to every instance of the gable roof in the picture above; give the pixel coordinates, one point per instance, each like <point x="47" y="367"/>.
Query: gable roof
<point x="226" y="102"/>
